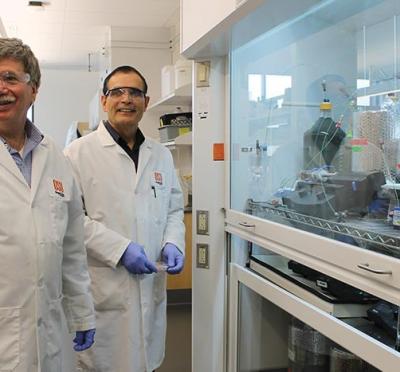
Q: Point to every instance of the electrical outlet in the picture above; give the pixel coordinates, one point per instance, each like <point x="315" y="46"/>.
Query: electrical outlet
<point x="202" y="222"/>
<point x="202" y="256"/>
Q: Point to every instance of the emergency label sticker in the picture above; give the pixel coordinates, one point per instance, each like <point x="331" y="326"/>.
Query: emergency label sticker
<point x="58" y="187"/>
<point x="359" y="142"/>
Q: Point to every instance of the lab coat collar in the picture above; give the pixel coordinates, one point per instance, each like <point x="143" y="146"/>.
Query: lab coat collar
<point x="105" y="137"/>
<point x="39" y="160"/>
<point x="9" y="164"/>
<point x="107" y="140"/>
<point x="144" y="157"/>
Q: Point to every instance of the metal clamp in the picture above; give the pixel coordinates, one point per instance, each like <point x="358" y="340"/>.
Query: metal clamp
<point x="245" y="224"/>
<point x="366" y="267"/>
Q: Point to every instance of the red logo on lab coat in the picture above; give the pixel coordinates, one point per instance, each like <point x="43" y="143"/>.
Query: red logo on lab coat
<point x="158" y="178"/>
<point x="58" y="187"/>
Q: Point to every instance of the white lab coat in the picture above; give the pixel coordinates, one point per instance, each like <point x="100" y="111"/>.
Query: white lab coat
<point x="122" y="206"/>
<point x="43" y="266"/>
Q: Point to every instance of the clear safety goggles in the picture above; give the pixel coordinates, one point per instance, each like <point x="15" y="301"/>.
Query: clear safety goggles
<point x="130" y="91"/>
<point x="10" y="79"/>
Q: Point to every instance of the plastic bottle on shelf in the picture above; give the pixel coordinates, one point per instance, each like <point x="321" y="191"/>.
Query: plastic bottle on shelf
<point x="396" y="218"/>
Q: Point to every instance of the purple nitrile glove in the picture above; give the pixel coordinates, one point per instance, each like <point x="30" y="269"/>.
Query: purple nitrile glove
<point x="173" y="257"/>
<point x="84" y="339"/>
<point x="136" y="261"/>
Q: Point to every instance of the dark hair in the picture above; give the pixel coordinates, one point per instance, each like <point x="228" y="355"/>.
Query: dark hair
<point x="17" y="50"/>
<point x="124" y="70"/>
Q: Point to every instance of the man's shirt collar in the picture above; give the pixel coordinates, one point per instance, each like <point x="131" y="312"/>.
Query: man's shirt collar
<point x="139" y="137"/>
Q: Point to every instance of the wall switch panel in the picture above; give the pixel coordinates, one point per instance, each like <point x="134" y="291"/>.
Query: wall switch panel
<point x="203" y="74"/>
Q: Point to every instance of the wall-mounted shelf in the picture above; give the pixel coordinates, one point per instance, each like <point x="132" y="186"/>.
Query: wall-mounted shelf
<point x="183" y="140"/>
<point x="179" y="97"/>
<point x="379" y="88"/>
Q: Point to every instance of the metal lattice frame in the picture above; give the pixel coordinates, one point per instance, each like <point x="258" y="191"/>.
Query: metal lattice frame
<point x="387" y="242"/>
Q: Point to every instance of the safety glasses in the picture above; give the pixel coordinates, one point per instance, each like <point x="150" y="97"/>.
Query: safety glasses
<point x="10" y="79"/>
<point x="119" y="92"/>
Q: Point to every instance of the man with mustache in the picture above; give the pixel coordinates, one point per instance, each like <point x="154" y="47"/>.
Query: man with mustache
<point x="43" y="267"/>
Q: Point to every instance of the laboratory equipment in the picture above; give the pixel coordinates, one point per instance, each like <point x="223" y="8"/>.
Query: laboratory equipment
<point x="340" y="290"/>
<point x="161" y="266"/>
<point x="323" y="140"/>
<point x="339" y="193"/>
<point x="174" y="125"/>
<point x="385" y="316"/>
<point x="342" y="360"/>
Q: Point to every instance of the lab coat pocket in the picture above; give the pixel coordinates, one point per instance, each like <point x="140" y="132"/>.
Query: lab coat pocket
<point x="160" y="206"/>
<point x="10" y="331"/>
<point x="58" y="211"/>
<point x="110" y="288"/>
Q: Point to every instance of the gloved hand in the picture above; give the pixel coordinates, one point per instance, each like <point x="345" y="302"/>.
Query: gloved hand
<point x="84" y="339"/>
<point x="136" y="261"/>
<point x="379" y="206"/>
<point x="173" y="257"/>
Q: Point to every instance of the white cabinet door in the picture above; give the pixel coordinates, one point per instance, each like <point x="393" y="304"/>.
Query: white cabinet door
<point x="342" y="332"/>
<point x="199" y="17"/>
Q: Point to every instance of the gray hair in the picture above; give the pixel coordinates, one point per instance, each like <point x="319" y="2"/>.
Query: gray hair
<point x="15" y="49"/>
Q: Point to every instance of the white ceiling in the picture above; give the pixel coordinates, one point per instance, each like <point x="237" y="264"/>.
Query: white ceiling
<point x="64" y="32"/>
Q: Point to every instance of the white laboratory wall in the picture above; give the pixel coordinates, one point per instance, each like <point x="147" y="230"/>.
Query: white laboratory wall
<point x="148" y="50"/>
<point x="64" y="97"/>
<point x="3" y="32"/>
<point x="66" y="94"/>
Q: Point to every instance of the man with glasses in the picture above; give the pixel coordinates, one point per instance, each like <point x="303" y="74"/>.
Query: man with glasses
<point x="134" y="231"/>
<point x="43" y="267"/>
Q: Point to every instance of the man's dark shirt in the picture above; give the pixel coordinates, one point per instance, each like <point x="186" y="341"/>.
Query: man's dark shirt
<point x="139" y="139"/>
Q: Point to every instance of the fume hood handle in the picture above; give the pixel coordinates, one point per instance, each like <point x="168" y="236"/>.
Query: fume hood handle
<point x="245" y="224"/>
<point x="366" y="267"/>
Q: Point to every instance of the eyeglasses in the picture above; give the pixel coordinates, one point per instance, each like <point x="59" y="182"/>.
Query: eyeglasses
<point x="11" y="79"/>
<point x="119" y="92"/>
